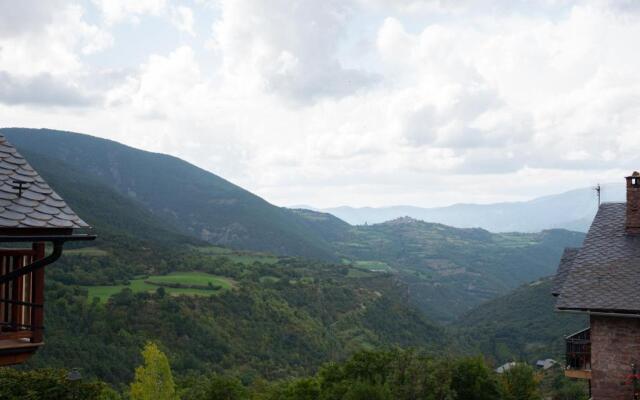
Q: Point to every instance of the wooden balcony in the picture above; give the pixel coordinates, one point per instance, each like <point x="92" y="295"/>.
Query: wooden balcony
<point x="21" y="305"/>
<point x="578" y="355"/>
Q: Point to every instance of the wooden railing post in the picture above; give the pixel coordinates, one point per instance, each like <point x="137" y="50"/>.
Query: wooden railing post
<point x="16" y="294"/>
<point x="4" y="291"/>
<point x="37" y="291"/>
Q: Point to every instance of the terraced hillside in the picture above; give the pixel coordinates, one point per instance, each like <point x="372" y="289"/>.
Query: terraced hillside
<point x="449" y="270"/>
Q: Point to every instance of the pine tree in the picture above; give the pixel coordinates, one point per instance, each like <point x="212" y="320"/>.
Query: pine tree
<point x="153" y="380"/>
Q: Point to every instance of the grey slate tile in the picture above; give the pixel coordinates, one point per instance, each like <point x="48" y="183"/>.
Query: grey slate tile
<point x="566" y="262"/>
<point x="38" y="205"/>
<point x="605" y="272"/>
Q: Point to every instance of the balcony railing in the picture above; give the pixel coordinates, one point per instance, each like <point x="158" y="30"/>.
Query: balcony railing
<point x="21" y="313"/>
<point x="578" y="354"/>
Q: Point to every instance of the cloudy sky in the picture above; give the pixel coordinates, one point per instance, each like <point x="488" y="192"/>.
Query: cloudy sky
<point x="333" y="102"/>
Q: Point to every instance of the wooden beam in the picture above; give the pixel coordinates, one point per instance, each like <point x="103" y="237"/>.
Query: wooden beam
<point x="16" y="335"/>
<point x="16" y="351"/>
<point x="37" y="290"/>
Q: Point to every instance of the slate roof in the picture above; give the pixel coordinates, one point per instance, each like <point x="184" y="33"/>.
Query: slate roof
<point x="605" y="272"/>
<point x="37" y="205"/>
<point x="566" y="261"/>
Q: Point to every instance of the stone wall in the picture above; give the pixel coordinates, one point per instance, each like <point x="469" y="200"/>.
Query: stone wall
<point x="615" y="346"/>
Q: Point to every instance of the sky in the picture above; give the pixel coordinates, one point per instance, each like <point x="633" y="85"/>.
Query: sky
<point x="341" y="102"/>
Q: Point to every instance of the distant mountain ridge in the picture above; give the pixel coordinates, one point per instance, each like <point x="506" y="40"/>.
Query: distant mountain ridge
<point x="572" y="210"/>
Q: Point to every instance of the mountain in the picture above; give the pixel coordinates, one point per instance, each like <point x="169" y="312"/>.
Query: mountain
<point x="450" y="270"/>
<point x="573" y="210"/>
<point x="522" y="325"/>
<point x="191" y="200"/>
<point x="131" y="195"/>
<point x="275" y="317"/>
<point x="118" y="218"/>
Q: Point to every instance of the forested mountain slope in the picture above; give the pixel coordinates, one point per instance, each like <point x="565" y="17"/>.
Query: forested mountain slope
<point x="152" y="276"/>
<point x="450" y="270"/>
<point x="126" y="192"/>
<point x="277" y="319"/>
<point x="192" y="200"/>
<point x="523" y="325"/>
<point x="115" y="216"/>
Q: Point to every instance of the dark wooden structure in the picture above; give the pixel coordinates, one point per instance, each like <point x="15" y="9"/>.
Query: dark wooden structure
<point x="578" y="354"/>
<point x="35" y="223"/>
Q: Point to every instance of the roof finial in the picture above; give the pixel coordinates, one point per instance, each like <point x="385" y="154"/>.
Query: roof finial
<point x="20" y="185"/>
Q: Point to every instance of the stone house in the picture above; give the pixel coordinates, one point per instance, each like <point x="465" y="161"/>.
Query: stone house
<point x="602" y="280"/>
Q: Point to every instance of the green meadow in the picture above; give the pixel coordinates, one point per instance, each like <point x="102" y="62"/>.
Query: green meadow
<point x="184" y="278"/>
<point x="373" y="265"/>
<point x="241" y="257"/>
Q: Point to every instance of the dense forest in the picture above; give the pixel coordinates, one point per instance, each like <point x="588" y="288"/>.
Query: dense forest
<point x="522" y="325"/>
<point x="282" y="318"/>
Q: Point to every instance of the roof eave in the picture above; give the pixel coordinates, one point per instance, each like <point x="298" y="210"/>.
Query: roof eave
<point x="601" y="312"/>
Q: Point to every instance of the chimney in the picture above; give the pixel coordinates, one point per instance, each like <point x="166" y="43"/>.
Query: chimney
<point x="632" y="224"/>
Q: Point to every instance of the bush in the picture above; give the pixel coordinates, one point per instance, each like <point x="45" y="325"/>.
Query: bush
<point x="49" y="384"/>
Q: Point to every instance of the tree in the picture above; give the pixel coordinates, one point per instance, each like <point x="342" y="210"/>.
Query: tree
<point x="49" y="384"/>
<point x="225" y="388"/>
<point x="519" y="383"/>
<point x="367" y="391"/>
<point x="472" y="380"/>
<point x="153" y="380"/>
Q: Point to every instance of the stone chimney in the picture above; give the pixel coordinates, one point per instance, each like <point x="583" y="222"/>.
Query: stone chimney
<point x="632" y="224"/>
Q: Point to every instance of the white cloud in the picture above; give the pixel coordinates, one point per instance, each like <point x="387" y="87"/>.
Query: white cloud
<point x="25" y="16"/>
<point x="182" y="19"/>
<point x="115" y="11"/>
<point x="42" y="89"/>
<point x="41" y="57"/>
<point x="163" y="87"/>
<point x="447" y="101"/>
<point x="287" y="47"/>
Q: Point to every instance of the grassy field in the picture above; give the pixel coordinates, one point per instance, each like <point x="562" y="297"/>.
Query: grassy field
<point x="243" y="258"/>
<point x="373" y="265"/>
<point x="187" y="278"/>
<point x="359" y="273"/>
<point x="87" y="251"/>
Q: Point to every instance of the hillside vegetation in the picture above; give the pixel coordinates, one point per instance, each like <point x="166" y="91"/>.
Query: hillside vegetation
<point x="274" y="320"/>
<point x="191" y="200"/>
<point x="522" y="325"/>
<point x="288" y="291"/>
<point x="450" y="270"/>
<point x="153" y="198"/>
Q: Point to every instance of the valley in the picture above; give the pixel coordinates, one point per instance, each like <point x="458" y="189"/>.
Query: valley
<point x="232" y="284"/>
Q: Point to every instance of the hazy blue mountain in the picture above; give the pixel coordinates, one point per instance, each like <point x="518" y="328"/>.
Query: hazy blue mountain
<point x="573" y="210"/>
